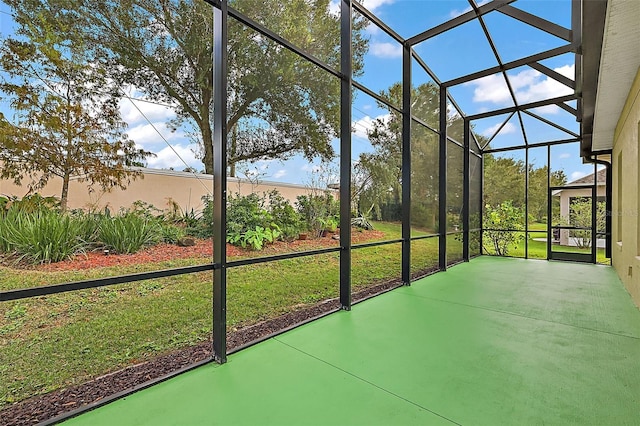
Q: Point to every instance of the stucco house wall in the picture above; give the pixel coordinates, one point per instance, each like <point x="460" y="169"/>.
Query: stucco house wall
<point x="626" y="200"/>
<point x="565" y="202"/>
<point x="156" y="187"/>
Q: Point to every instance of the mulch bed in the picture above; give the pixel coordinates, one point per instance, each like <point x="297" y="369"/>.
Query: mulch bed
<point x="44" y="407"/>
<point x="202" y="249"/>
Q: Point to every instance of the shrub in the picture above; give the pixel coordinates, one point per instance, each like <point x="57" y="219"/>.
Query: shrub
<point x="314" y="209"/>
<point x="502" y="222"/>
<point x="89" y="225"/>
<point x="255" y="238"/>
<point x="200" y="225"/>
<point x="128" y="233"/>
<point x="41" y="236"/>
<point x="284" y="215"/>
<point x="247" y="212"/>
<point x="170" y="233"/>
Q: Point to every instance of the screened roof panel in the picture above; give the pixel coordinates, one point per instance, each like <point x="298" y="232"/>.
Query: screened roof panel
<point x="487" y="128"/>
<point x="473" y="52"/>
<point x="531" y="40"/>
<point x="531" y="85"/>
<point x="556" y="11"/>
<point x="431" y="12"/>
<point x="542" y="131"/>
<point x="509" y="136"/>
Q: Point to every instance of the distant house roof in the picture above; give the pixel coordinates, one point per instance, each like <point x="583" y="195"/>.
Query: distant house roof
<point x="588" y="180"/>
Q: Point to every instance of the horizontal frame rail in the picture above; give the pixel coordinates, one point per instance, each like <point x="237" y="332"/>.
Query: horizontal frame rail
<point x="100" y="282"/>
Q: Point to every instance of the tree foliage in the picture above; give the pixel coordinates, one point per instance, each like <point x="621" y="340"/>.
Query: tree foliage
<point x="66" y="121"/>
<point x="278" y="103"/>
<point x="501" y="224"/>
<point x="580" y="214"/>
<point x="378" y="174"/>
<point x="504" y="180"/>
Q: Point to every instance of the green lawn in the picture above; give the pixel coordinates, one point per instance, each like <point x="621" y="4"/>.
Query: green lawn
<point x="55" y="341"/>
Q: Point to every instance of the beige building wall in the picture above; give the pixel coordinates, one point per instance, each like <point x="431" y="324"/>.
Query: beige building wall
<point x="157" y="188"/>
<point x="626" y="190"/>
<point x="565" y="202"/>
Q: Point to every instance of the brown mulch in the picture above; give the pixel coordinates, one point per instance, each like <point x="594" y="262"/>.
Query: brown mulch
<point x="202" y="248"/>
<point x="45" y="407"/>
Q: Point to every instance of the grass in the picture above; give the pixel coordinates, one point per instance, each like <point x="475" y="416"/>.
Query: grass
<point x="538" y="249"/>
<point x="51" y="342"/>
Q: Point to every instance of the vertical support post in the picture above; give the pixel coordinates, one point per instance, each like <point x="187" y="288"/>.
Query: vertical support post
<point x="442" y="191"/>
<point x="406" y="164"/>
<point x="345" y="154"/>
<point x="549" y="209"/>
<point x="609" y="207"/>
<point x="466" y="190"/>
<point x="526" y="203"/>
<point x="481" y="206"/>
<point x="220" y="39"/>
<point x="594" y="213"/>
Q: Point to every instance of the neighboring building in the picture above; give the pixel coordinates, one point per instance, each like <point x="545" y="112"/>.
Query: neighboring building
<point x="157" y="187"/>
<point x="569" y="194"/>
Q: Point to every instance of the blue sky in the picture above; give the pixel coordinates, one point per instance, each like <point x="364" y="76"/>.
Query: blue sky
<point x="450" y="55"/>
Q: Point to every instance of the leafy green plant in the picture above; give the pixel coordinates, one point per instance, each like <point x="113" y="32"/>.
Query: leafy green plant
<point x="89" y="225"/>
<point x="129" y="233"/>
<point x="331" y="224"/>
<point x="315" y="209"/>
<point x="502" y="224"/>
<point x="43" y="236"/>
<point x="580" y="212"/>
<point x="246" y="212"/>
<point x="170" y="233"/>
<point x="284" y="215"/>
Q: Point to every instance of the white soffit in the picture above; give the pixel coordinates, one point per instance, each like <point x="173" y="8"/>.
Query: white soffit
<point x="618" y="67"/>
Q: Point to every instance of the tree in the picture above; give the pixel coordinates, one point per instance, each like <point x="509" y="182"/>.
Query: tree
<point x="378" y="174"/>
<point x="279" y="104"/>
<point x="538" y="191"/>
<point x="501" y="224"/>
<point x="504" y="180"/>
<point x="580" y="213"/>
<point x="61" y="126"/>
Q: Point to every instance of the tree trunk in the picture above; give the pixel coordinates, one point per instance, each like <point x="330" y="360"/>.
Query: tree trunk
<point x="207" y="141"/>
<point x="232" y="151"/>
<point x="65" y="192"/>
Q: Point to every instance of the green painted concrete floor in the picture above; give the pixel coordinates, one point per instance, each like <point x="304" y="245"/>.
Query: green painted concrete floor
<point x="493" y="341"/>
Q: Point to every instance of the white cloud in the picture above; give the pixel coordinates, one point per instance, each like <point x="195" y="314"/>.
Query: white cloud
<point x="144" y="111"/>
<point x="508" y="128"/>
<point x="146" y="135"/>
<point x="313" y="168"/>
<point x="334" y="7"/>
<point x="457" y="12"/>
<point x="565" y="155"/>
<point x="577" y="175"/>
<point x="167" y="158"/>
<point x="386" y="50"/>
<point x="491" y="89"/>
<point x="528" y="85"/>
<point x="372" y="5"/>
<point x="280" y="173"/>
<point x="362" y="127"/>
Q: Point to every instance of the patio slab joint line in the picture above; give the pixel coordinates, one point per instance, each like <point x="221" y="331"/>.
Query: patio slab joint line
<point x="525" y="316"/>
<point x="367" y="382"/>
